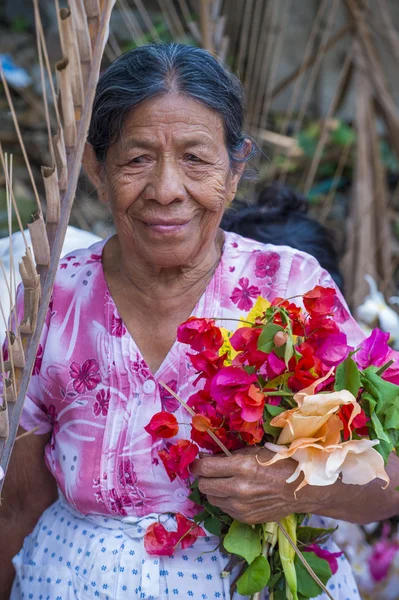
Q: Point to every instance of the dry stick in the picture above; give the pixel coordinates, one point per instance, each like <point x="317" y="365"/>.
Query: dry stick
<point x="175" y="18"/>
<point x="337" y="176"/>
<point x="6" y="447"/>
<point x="193" y="414"/>
<point x="93" y="19"/>
<point x="206" y="27"/>
<point x="228" y="453"/>
<point x="147" y="20"/>
<point x="113" y="44"/>
<point x="71" y="50"/>
<point x="12" y="289"/>
<point x="275" y="62"/>
<point x="305" y="61"/>
<point x="27" y="433"/>
<point x="21" y="142"/>
<point x="16" y="209"/>
<point x="168" y="22"/>
<point x="243" y="41"/>
<point x="131" y="21"/>
<point x="262" y="64"/>
<point x="253" y="47"/>
<point x="392" y="33"/>
<point x="83" y="36"/>
<point x="304" y="66"/>
<point x="324" y="134"/>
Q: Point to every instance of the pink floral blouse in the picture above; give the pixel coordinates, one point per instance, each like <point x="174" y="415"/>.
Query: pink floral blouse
<point x="92" y="389"/>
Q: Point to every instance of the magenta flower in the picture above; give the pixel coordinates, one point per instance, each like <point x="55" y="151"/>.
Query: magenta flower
<point x="374" y="350"/>
<point x="381" y="558"/>
<point x="85" y="376"/>
<point x="330" y="557"/>
<point x="228" y="382"/>
<point x="267" y="264"/>
<point x="243" y="297"/>
<point x="117" y="327"/>
<point x="101" y="403"/>
<point x="334" y="349"/>
<point x="169" y="402"/>
<point x="126" y="474"/>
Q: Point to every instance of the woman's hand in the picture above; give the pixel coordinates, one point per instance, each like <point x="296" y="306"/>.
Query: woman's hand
<point x="247" y="491"/>
<point x="252" y="493"/>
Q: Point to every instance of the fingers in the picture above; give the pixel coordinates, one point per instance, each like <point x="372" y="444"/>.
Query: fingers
<point x="225" y="466"/>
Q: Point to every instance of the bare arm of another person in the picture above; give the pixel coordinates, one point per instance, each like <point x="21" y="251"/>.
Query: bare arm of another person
<point x="253" y="493"/>
<point x="29" y="488"/>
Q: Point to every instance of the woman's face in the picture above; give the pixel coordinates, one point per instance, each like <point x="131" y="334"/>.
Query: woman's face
<point x="168" y="179"/>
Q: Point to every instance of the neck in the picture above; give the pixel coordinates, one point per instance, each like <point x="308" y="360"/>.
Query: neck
<point x="167" y="288"/>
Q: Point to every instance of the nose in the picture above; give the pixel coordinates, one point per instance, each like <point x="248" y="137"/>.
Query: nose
<point x="167" y="183"/>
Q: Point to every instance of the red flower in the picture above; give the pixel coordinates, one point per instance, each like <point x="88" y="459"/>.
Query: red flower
<point x="250" y="433"/>
<point x="38" y="361"/>
<point x="267" y="264"/>
<point x="294" y="314"/>
<point x="227" y="383"/>
<point x="359" y="423"/>
<point x="161" y="542"/>
<point x="169" y="402"/>
<point x="162" y="425"/>
<point x="207" y="364"/>
<point x="245" y="341"/>
<point x="117" y="327"/>
<point x="320" y="301"/>
<point x="200" y="334"/>
<point x="242" y="297"/>
<point x="86" y="377"/>
<point x="101" y="403"/>
<point x="177" y="458"/>
<point x="251" y="403"/>
<point x="306" y="370"/>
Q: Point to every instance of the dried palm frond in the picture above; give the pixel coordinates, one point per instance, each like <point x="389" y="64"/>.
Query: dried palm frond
<point x="84" y="30"/>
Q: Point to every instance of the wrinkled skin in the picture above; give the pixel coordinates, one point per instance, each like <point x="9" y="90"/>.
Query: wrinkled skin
<point x="252" y="493"/>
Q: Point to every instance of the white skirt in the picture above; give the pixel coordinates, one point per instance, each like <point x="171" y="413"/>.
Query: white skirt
<point x="72" y="557"/>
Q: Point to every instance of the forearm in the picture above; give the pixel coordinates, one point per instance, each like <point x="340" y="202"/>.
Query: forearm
<point x="359" y="504"/>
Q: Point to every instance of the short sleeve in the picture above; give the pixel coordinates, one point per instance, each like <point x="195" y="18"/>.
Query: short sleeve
<point x="305" y="274"/>
<point x="34" y="413"/>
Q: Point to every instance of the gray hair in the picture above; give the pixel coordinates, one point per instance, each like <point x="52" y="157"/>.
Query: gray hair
<point x="157" y="69"/>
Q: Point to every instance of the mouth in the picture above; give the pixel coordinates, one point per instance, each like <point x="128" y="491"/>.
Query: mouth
<point x="166" y="226"/>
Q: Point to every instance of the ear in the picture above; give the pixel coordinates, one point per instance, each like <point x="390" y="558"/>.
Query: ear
<point x="94" y="170"/>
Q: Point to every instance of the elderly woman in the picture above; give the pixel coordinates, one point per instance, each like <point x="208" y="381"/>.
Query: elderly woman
<point x="166" y="152"/>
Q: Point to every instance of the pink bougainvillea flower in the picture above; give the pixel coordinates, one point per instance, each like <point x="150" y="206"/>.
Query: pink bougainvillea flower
<point x="382" y="556"/>
<point x="374" y="350"/>
<point x="227" y="382"/>
<point x="273" y="367"/>
<point x="330" y="557"/>
<point x="162" y="425"/>
<point x="177" y="458"/>
<point x="244" y="297"/>
<point x="101" y="403"/>
<point x="207" y="364"/>
<point x="245" y="341"/>
<point x="320" y="301"/>
<point x="200" y="334"/>
<point x="168" y="401"/>
<point x="251" y="402"/>
<point x="267" y="264"/>
<point x="188" y="531"/>
<point x="85" y="376"/>
<point x="334" y="350"/>
<point x="161" y="542"/>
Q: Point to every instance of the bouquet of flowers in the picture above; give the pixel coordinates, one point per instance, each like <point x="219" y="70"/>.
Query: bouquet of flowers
<point x="285" y="379"/>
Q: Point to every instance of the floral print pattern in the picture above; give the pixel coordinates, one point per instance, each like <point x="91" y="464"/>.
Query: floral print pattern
<point x="94" y="391"/>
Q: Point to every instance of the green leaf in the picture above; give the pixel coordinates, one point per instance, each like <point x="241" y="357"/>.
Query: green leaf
<point x="195" y="496"/>
<point x="312" y="535"/>
<point x="343" y="135"/>
<point x="201" y="516"/>
<point x="255" y="577"/>
<point x="289" y="351"/>
<point x="266" y="338"/>
<point x="306" y="584"/>
<point x="274" y="410"/>
<point x="243" y="540"/>
<point x="347" y="377"/>
<point x="213" y="525"/>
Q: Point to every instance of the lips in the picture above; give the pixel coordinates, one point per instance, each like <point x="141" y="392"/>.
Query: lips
<point x="165" y="222"/>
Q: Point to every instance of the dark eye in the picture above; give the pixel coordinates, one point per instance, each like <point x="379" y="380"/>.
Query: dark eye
<point x="192" y="158"/>
<point x="139" y="159"/>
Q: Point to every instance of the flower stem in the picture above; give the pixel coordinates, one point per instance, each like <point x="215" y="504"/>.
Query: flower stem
<point x="303" y="560"/>
<point x="384" y="368"/>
